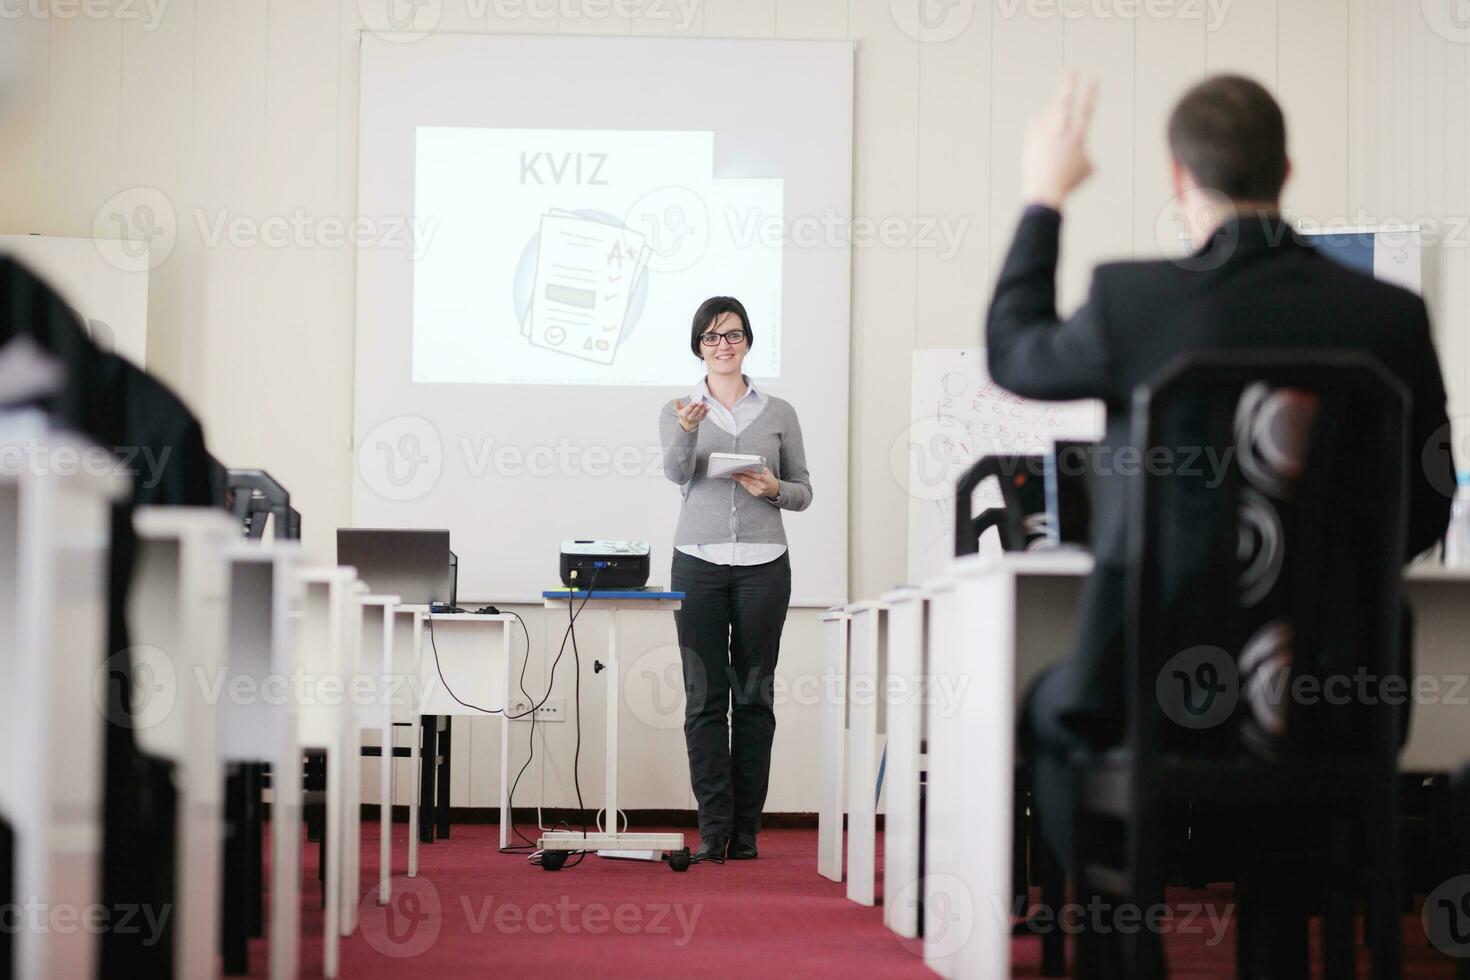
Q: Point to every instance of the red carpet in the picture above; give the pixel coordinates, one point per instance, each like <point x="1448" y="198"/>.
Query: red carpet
<point x="472" y="911"/>
<point x="1204" y="945"/>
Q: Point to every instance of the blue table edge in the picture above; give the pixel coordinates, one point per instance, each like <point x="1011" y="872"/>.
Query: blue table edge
<point x="610" y="594"/>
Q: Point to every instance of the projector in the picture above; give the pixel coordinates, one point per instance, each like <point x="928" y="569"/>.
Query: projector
<point x="617" y="564"/>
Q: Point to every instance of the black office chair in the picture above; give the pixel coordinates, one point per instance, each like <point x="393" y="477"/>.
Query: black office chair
<point x="1445" y="904"/>
<point x="1288" y="569"/>
<point x="1020" y="520"/>
<point x="253" y="496"/>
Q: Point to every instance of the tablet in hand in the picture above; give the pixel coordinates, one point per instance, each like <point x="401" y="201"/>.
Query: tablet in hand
<point x="726" y="465"/>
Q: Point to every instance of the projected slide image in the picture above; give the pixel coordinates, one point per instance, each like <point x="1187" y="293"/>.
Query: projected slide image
<point x="586" y="270"/>
<point x="579" y="256"/>
<point x="1389" y="254"/>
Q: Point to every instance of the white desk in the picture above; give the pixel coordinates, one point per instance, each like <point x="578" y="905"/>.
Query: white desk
<point x="948" y="907"/>
<point x="1012" y="617"/>
<point x="55" y="534"/>
<point x="831" y="801"/>
<point x="474" y="656"/>
<point x="867" y="672"/>
<point x="377" y="663"/>
<point x="1439" y="738"/>
<point x="909" y="696"/>
<point x="608" y="838"/>
<point x="178" y="614"/>
<point x="407" y="640"/>
<point x="356" y="680"/>
<point x="326" y="649"/>
<point x="999" y="622"/>
<point x="263" y="728"/>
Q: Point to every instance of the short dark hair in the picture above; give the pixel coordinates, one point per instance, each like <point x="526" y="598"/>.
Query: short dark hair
<point x="711" y="310"/>
<point x="1229" y="132"/>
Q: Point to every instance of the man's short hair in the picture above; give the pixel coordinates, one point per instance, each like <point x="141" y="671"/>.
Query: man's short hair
<point x="1229" y="133"/>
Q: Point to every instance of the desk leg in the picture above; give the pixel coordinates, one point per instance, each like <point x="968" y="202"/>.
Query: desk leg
<point x="256" y="867"/>
<point x="386" y="760"/>
<point x="441" y="784"/>
<point x="831" y="800"/>
<point x="236" y="880"/>
<point x="429" y="734"/>
<point x="352" y="826"/>
<point x="610" y="819"/>
<point x="506" y="817"/>
<point x="285" y="910"/>
<point x="332" y="834"/>
<point x="415" y="788"/>
<point x="385" y="813"/>
<point x="862" y="769"/>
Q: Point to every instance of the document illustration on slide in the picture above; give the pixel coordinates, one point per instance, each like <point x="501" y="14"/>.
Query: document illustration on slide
<point x="586" y="271"/>
<point x="579" y="256"/>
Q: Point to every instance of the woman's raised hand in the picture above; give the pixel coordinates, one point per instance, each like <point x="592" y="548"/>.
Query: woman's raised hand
<point x="690" y="413"/>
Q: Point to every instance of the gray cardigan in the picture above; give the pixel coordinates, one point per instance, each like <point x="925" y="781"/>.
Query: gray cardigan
<point x="720" y="510"/>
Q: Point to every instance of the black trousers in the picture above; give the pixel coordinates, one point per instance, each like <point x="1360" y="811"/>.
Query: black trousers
<point x="729" y="640"/>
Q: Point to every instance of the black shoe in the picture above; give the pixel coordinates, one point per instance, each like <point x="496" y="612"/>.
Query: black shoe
<point x="711" y="849"/>
<point x="743" y="848"/>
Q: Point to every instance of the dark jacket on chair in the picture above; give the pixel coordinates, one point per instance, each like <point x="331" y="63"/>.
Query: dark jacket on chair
<point x="122" y="408"/>
<point x="1254" y="286"/>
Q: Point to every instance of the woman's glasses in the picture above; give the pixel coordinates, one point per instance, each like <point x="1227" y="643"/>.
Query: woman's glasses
<point x="735" y="337"/>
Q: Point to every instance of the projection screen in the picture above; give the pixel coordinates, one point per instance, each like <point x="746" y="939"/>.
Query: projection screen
<point x="539" y="218"/>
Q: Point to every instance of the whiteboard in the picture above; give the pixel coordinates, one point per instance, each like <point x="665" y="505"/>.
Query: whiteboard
<point x="103" y="280"/>
<point x="957" y="415"/>
<point x="513" y="463"/>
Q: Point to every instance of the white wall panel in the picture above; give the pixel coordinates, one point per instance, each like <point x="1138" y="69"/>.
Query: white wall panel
<point x="251" y="106"/>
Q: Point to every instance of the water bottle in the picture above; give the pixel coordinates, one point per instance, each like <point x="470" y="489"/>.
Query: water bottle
<point x="1457" y="538"/>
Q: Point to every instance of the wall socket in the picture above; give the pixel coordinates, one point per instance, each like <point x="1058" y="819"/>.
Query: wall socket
<point x="555" y="709"/>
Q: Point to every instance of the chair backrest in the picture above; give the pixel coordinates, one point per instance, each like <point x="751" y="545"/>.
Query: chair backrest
<point x="1020" y="521"/>
<point x="254" y="495"/>
<point x="1266" y="543"/>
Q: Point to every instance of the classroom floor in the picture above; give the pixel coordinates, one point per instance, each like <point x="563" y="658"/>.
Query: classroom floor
<point x="472" y="911"/>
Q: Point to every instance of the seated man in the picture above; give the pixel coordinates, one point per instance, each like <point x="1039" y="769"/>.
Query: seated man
<point x="1250" y="285"/>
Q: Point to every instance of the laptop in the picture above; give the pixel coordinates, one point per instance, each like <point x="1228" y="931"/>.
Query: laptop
<point x="411" y="564"/>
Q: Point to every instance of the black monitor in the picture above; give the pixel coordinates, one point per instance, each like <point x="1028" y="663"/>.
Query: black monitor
<point x="411" y="564"/>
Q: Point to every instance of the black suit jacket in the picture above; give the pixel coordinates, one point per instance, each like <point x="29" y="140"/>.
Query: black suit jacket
<point x="1255" y="286"/>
